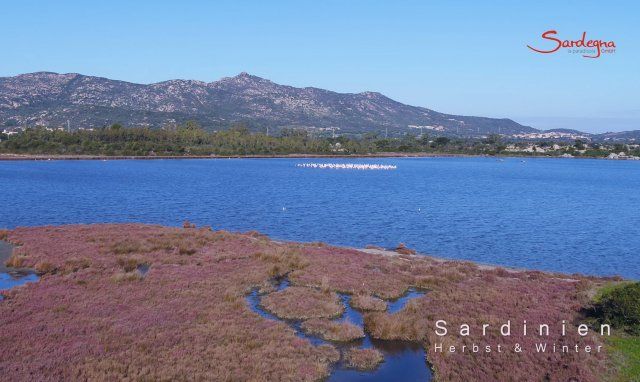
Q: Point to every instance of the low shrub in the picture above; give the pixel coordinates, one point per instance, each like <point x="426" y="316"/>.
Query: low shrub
<point x="17" y="260"/>
<point x="620" y="307"/>
<point x="45" y="268"/>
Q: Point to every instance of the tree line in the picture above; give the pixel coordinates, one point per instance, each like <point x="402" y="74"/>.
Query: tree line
<point x="190" y="139"/>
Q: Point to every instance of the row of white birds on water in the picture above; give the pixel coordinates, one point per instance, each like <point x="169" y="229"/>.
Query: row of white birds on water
<point x="348" y="166"/>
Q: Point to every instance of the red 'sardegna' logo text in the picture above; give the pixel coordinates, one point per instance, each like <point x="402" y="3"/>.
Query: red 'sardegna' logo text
<point x="588" y="48"/>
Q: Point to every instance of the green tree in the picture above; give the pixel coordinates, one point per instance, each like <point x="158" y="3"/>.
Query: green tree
<point x="442" y="141"/>
<point x="191" y="125"/>
<point x="493" y="139"/>
<point x="619" y="147"/>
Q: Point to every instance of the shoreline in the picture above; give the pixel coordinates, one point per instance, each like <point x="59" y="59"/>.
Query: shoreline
<point x="568" y="277"/>
<point x="45" y="157"/>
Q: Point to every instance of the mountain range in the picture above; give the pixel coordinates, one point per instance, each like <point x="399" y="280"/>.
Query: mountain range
<point x="79" y="101"/>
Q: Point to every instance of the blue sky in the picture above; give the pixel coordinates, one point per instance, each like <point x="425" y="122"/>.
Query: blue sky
<point x="460" y="57"/>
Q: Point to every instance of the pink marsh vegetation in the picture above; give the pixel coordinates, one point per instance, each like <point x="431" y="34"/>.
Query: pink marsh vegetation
<point x="363" y="359"/>
<point x="86" y="319"/>
<point x="364" y="302"/>
<point x="301" y="303"/>
<point x="187" y="317"/>
<point x="332" y="330"/>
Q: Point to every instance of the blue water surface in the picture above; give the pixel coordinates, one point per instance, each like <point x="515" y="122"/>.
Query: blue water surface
<point x="8" y="281"/>
<point x="12" y="277"/>
<point x="550" y="214"/>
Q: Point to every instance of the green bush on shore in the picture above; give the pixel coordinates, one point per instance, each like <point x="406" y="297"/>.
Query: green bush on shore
<point x="620" y="307"/>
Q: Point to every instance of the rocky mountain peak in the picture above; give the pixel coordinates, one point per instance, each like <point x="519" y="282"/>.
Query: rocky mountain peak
<point x="52" y="99"/>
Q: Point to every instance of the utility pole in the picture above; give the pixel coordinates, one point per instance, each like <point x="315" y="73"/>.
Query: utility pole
<point x="386" y="132"/>
<point x="68" y="126"/>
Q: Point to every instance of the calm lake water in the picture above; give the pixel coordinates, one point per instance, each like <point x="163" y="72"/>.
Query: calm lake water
<point x="551" y="214"/>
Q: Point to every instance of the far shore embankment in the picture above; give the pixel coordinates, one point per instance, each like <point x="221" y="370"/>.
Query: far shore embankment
<point x="46" y="157"/>
<point x="8" y="157"/>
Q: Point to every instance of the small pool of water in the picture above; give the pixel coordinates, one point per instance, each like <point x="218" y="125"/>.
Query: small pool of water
<point x="11" y="280"/>
<point x="11" y="277"/>
<point x="398" y="304"/>
<point x="403" y="360"/>
<point x="143" y="269"/>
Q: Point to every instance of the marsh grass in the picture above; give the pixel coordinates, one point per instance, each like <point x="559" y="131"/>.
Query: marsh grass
<point x="283" y="259"/>
<point x="301" y="303"/>
<point x="131" y="263"/>
<point x="325" y="286"/>
<point x="363" y="359"/>
<point x="184" y="242"/>
<point x="393" y="327"/>
<point x="332" y="330"/>
<point x="128" y="246"/>
<point x="17" y="260"/>
<point x="368" y="303"/>
<point x="45" y="267"/>
<point x="120" y="277"/>
<point x="76" y="264"/>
